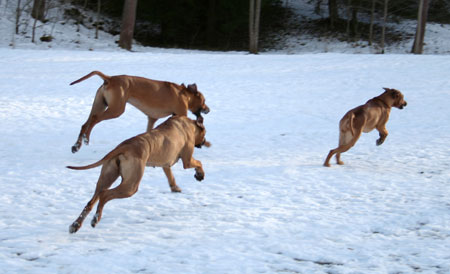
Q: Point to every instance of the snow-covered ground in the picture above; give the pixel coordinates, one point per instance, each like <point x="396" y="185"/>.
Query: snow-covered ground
<point x="267" y="205"/>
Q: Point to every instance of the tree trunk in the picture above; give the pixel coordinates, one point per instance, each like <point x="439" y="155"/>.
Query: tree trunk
<point x="333" y="12"/>
<point x="347" y="29"/>
<point x="421" y="24"/>
<point x="255" y="11"/>
<point x="372" y="15"/>
<point x="354" y="22"/>
<point x="128" y="21"/>
<point x="18" y="14"/>
<point x="38" y="11"/>
<point x="99" y="5"/>
<point x="383" y="31"/>
<point x="211" y="22"/>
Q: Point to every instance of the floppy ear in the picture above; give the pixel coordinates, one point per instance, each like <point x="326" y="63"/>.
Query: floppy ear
<point x="199" y="119"/>
<point x="193" y="88"/>
<point x="200" y="125"/>
<point x="394" y="94"/>
<point x="199" y="122"/>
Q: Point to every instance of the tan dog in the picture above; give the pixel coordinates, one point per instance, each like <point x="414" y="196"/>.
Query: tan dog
<point x="163" y="147"/>
<point x="157" y="99"/>
<point x="373" y="114"/>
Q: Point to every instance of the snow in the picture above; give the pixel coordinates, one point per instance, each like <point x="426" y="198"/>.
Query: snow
<point x="267" y="205"/>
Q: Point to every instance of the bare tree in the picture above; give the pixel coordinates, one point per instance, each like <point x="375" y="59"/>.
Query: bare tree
<point x="255" y="12"/>
<point x="383" y="30"/>
<point x="333" y="12"/>
<point x="38" y="11"/>
<point x="128" y="21"/>
<point x="99" y="5"/>
<point x="18" y="14"/>
<point x="421" y="24"/>
<point x="211" y="22"/>
<point x="372" y="15"/>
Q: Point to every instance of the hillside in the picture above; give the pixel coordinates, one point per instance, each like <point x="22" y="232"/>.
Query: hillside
<point x="298" y="37"/>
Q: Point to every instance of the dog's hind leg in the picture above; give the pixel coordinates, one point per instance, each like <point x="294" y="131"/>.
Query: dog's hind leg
<point x="114" y="110"/>
<point x="171" y="179"/>
<point x="131" y="170"/>
<point x="346" y="141"/>
<point x="108" y="175"/>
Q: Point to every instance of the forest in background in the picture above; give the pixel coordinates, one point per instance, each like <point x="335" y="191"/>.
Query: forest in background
<point x="226" y="24"/>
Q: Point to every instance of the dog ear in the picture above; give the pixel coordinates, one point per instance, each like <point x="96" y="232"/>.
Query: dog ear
<point x="199" y="122"/>
<point x="395" y="94"/>
<point x="193" y="88"/>
<point x="386" y="89"/>
<point x="200" y="125"/>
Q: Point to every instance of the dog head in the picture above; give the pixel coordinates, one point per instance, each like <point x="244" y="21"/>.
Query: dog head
<point x="196" y="100"/>
<point x="397" y="97"/>
<point x="200" y="133"/>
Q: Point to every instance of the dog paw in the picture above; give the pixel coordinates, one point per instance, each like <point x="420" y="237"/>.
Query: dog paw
<point x="74" y="227"/>
<point x="75" y="148"/>
<point x="199" y="176"/>
<point x="175" y="189"/>
<point x="379" y="142"/>
<point x="95" y="220"/>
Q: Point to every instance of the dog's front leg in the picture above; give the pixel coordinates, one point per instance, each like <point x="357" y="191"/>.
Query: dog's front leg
<point x="383" y="134"/>
<point x="151" y="123"/>
<point x="171" y="179"/>
<point x="192" y="163"/>
<point x="98" y="107"/>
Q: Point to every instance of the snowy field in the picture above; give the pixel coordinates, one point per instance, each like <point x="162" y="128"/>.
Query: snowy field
<point x="267" y="205"/>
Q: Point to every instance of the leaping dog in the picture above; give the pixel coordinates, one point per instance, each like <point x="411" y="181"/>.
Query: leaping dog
<point x="161" y="147"/>
<point x="156" y="99"/>
<point x="374" y="114"/>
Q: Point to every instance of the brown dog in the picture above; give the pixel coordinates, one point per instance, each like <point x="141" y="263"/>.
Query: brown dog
<point x="157" y="99"/>
<point x="373" y="114"/>
<point x="163" y="147"/>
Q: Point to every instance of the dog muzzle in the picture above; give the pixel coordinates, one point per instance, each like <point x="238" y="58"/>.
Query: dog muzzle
<point x="202" y="144"/>
<point x="205" y="110"/>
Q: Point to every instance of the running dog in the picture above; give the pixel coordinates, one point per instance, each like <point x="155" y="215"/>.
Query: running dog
<point x="161" y="147"/>
<point x="156" y="99"/>
<point x="374" y="114"/>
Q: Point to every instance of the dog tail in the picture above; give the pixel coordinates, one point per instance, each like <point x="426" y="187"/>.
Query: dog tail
<point x="107" y="157"/>
<point x="95" y="72"/>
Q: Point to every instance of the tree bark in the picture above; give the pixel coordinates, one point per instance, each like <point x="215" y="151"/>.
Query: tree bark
<point x="211" y="22"/>
<point x="18" y="14"/>
<point x="128" y="21"/>
<point x="372" y="15"/>
<point x="99" y="5"/>
<point x="383" y="30"/>
<point x="421" y="24"/>
<point x="255" y="11"/>
<point x="333" y="12"/>
<point x="38" y="11"/>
